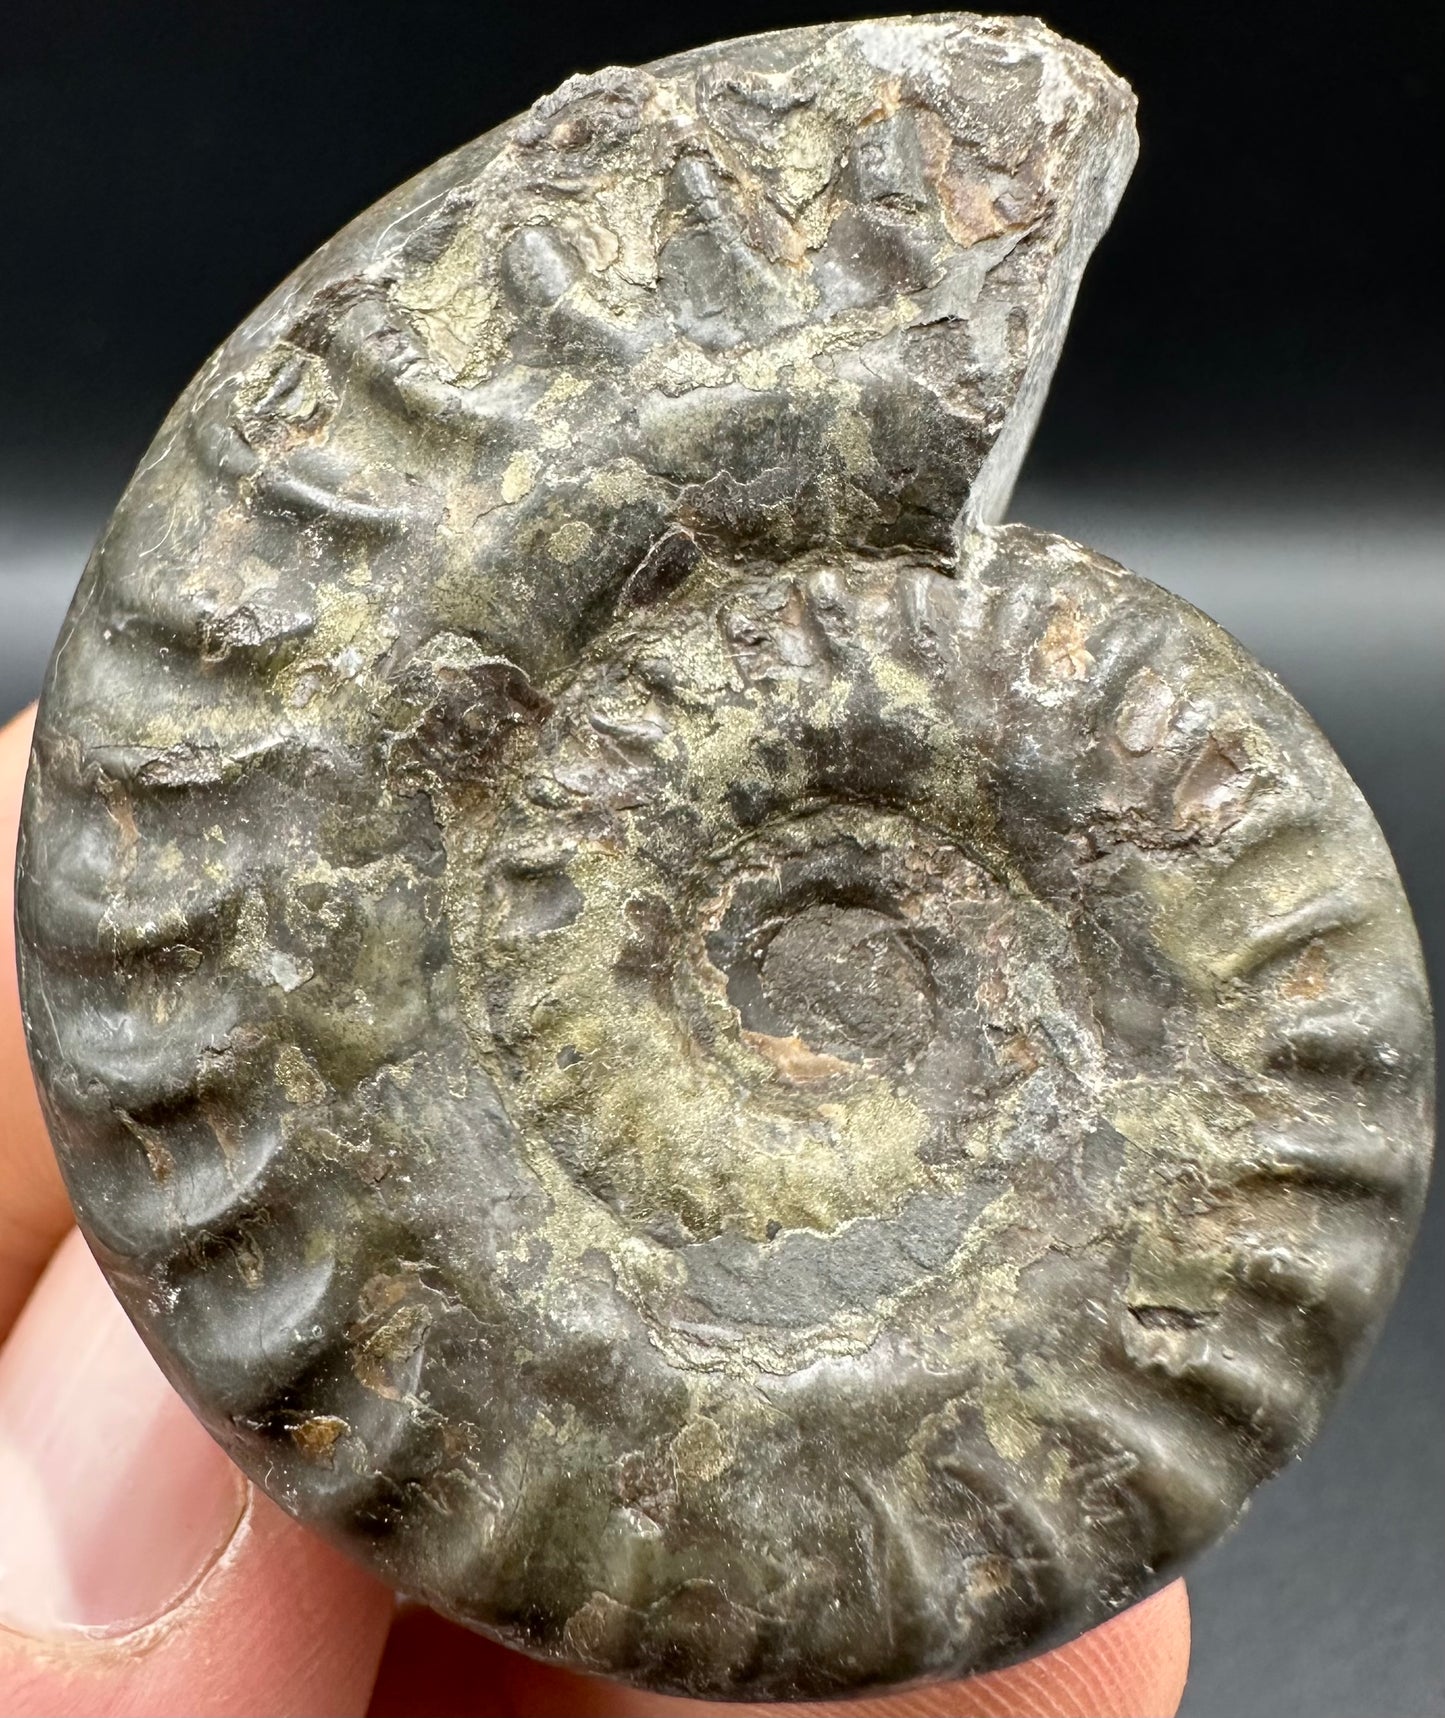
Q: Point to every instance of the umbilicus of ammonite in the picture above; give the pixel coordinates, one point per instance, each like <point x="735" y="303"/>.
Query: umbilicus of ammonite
<point x="725" y="1067"/>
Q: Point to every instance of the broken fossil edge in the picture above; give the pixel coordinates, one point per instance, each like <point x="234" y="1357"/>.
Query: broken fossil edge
<point x="730" y="1071"/>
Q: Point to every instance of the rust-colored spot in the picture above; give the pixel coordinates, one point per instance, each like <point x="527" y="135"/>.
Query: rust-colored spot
<point x="1215" y="788"/>
<point x="1145" y="712"/>
<point x="1063" y="652"/>
<point x="392" y="1327"/>
<point x="793" y="1059"/>
<point x="1019" y="1052"/>
<point x="987" y="1576"/>
<point x="1308" y="978"/>
<point x="316" y="1437"/>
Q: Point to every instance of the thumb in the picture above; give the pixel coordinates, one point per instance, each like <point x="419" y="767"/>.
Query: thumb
<point x="139" y="1573"/>
<point x="1132" y="1666"/>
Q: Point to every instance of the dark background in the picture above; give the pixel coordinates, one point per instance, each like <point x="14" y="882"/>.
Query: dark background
<point x="1248" y="411"/>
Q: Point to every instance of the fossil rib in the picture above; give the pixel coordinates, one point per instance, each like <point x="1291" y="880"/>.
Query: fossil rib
<point x="729" y="1069"/>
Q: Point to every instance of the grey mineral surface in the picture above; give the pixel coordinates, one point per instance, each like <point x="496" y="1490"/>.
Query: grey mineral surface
<point x="733" y="1071"/>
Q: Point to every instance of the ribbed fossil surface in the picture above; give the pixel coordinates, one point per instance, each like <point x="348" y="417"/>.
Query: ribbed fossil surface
<point x="725" y="1067"/>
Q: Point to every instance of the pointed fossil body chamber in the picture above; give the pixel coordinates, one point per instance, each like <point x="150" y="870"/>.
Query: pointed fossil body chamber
<point x="723" y="1066"/>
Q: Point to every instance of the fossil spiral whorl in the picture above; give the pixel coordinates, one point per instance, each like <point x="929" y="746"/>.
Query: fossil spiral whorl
<point x="725" y="1067"/>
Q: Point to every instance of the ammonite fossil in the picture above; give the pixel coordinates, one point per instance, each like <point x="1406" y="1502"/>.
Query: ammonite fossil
<point x="727" y="1068"/>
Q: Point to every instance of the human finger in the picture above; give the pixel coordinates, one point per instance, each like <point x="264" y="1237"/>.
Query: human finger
<point x="139" y="1573"/>
<point x="1133" y="1666"/>
<point x="34" y="1211"/>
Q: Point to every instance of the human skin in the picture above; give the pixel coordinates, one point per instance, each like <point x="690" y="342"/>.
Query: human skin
<point x="141" y="1574"/>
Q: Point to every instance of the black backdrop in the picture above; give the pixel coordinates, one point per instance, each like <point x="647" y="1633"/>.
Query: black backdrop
<point x="1248" y="410"/>
<point x="1265" y="291"/>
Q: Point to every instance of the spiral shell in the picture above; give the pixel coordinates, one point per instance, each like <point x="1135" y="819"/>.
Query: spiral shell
<point x="727" y="1069"/>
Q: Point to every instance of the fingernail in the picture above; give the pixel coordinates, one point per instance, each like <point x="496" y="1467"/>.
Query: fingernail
<point x="113" y="1501"/>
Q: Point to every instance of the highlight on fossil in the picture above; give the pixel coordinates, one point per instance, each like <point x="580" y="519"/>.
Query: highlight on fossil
<point x="726" y="1067"/>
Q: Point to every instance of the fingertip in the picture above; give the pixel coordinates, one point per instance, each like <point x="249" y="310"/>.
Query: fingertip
<point x="281" y="1623"/>
<point x="15" y="754"/>
<point x="1133" y="1666"/>
<point x="34" y="1212"/>
<point x="139" y="1573"/>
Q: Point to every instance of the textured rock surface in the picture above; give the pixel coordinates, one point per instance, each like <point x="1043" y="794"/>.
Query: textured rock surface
<point x="730" y="1070"/>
